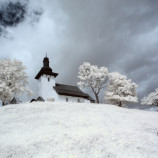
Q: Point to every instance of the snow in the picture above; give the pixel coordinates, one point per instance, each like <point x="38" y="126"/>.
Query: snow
<point x="77" y="130"/>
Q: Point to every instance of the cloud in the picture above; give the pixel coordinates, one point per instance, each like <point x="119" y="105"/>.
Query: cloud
<point x="121" y="35"/>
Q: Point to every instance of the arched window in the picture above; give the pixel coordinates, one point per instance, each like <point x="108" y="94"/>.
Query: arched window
<point x="48" y="79"/>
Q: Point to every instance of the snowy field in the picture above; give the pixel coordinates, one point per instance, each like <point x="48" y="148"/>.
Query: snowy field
<point x="76" y="130"/>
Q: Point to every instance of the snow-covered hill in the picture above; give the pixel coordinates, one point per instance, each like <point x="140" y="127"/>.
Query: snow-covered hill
<point x="76" y="130"/>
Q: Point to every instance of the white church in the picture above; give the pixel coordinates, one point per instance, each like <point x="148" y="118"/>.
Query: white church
<point x="49" y="90"/>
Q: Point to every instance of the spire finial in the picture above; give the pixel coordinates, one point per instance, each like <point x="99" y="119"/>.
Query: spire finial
<point x="46" y="61"/>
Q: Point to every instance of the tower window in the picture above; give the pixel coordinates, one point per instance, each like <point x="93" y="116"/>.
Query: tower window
<point x="48" y="79"/>
<point x="67" y="99"/>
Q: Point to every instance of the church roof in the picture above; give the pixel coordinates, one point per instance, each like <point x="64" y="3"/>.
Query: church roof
<point x="46" y="69"/>
<point x="91" y="99"/>
<point x="70" y="91"/>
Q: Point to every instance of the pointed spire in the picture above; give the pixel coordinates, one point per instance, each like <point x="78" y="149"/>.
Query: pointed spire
<point x="46" y="61"/>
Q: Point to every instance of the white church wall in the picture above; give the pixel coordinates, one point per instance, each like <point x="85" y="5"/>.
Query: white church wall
<point x="48" y="93"/>
<point x="87" y="101"/>
<point x="45" y="88"/>
<point x="62" y="98"/>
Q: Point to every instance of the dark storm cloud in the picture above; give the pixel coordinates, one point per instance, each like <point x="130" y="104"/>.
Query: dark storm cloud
<point x="121" y="35"/>
<point x="12" y="13"/>
<point x="115" y="34"/>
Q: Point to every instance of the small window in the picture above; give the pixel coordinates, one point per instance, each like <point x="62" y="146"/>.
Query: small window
<point x="67" y="100"/>
<point x="48" y="79"/>
<point x="78" y="100"/>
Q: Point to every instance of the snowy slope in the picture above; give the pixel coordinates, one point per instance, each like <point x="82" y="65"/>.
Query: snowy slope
<point x="76" y="130"/>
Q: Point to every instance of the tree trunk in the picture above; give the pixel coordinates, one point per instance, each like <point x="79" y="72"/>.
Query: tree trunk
<point x="120" y="104"/>
<point x="97" y="98"/>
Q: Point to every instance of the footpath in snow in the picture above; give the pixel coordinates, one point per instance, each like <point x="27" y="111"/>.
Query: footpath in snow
<point x="76" y="130"/>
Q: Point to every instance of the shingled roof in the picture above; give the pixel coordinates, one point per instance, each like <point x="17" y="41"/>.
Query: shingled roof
<point x="70" y="91"/>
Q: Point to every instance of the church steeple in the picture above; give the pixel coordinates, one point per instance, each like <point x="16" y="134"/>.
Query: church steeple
<point x="46" y="69"/>
<point x="46" y="62"/>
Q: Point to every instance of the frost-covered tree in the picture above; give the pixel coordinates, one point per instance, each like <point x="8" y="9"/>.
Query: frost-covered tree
<point x="120" y="90"/>
<point x="13" y="80"/>
<point x="151" y="98"/>
<point x="93" y="77"/>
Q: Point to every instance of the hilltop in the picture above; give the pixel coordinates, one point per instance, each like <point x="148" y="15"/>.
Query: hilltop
<point x="77" y="130"/>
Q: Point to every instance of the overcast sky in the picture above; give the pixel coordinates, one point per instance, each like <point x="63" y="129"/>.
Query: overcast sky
<point x="120" y="35"/>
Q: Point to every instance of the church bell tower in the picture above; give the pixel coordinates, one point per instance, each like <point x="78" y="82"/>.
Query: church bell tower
<point x="46" y="81"/>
